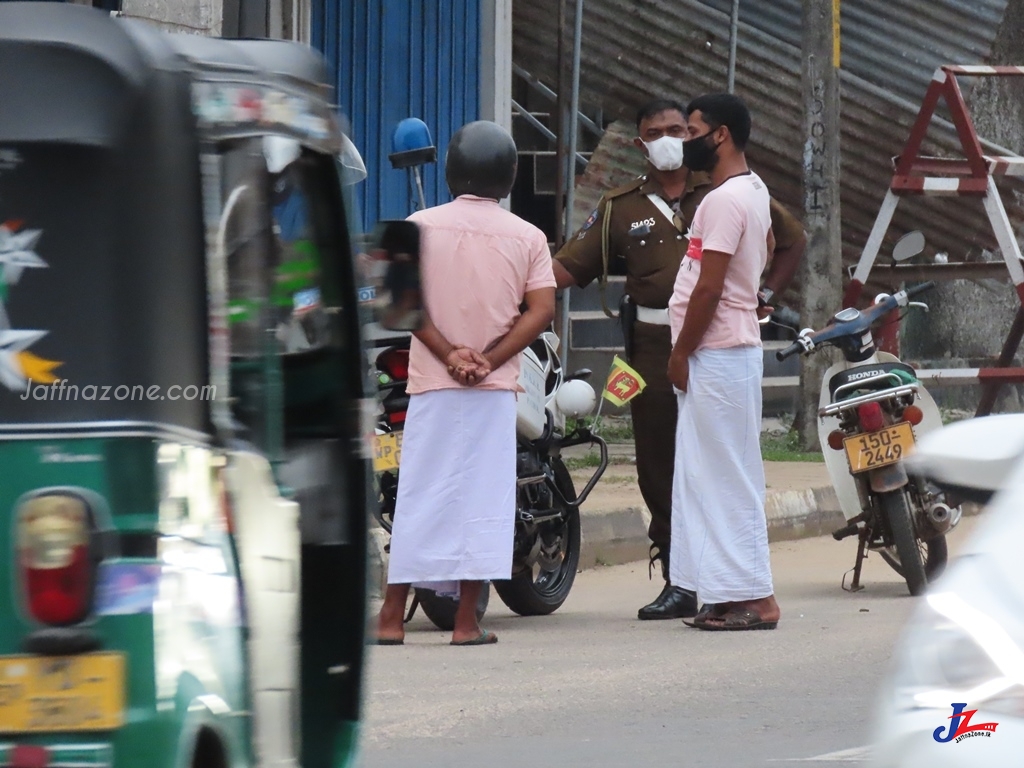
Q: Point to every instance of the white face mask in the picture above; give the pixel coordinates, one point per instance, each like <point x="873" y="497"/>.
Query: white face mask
<point x="666" y="153"/>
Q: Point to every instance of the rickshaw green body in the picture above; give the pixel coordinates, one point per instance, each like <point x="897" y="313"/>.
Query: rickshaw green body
<point x="220" y="457"/>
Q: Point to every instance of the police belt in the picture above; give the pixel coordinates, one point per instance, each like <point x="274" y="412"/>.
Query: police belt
<point x="652" y="316"/>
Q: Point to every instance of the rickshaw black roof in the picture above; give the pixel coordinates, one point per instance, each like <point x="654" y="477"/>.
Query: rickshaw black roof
<point x="37" y="40"/>
<point x="100" y="153"/>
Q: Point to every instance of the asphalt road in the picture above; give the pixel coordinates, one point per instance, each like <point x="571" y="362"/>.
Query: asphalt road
<point x="592" y="686"/>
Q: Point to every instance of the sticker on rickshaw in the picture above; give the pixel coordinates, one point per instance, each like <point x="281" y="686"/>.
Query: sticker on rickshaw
<point x="18" y="366"/>
<point x="220" y="104"/>
<point x="305" y="301"/>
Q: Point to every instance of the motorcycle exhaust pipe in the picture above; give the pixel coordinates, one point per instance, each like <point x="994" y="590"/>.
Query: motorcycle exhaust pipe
<point x="939" y="517"/>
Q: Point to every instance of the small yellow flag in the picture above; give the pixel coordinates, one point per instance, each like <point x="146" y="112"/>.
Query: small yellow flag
<point x="623" y="383"/>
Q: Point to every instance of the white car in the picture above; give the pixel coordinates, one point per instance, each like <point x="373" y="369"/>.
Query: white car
<point x="955" y="697"/>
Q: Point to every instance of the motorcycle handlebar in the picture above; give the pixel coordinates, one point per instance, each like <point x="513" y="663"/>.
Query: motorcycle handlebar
<point x="789" y="351"/>
<point x="912" y="292"/>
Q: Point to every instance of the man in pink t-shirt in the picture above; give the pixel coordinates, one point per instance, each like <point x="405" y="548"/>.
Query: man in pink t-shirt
<point x="454" y="517"/>
<point x="719" y="531"/>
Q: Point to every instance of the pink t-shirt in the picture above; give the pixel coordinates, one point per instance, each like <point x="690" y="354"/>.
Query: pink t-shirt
<point x="733" y="218"/>
<point x="477" y="262"/>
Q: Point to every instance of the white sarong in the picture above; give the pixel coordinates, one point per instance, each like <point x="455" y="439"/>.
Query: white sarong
<point x="455" y="512"/>
<point x="719" y="530"/>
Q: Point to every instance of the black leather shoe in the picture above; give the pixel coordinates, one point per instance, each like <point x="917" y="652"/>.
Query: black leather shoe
<point x="672" y="603"/>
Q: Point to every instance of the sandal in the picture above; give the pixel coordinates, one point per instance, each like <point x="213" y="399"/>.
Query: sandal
<point x="708" y="610"/>
<point x="485" y="638"/>
<point x="735" y="621"/>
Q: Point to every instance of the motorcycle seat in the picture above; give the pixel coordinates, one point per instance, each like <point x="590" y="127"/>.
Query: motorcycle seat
<point x="905" y="372"/>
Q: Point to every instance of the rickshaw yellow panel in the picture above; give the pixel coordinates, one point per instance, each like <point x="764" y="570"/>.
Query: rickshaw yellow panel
<point x="61" y="693"/>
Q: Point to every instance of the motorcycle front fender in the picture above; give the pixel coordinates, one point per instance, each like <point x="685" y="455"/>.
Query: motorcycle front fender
<point x="889" y="478"/>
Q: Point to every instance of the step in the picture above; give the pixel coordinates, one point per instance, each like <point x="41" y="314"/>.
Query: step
<point x="589" y="298"/>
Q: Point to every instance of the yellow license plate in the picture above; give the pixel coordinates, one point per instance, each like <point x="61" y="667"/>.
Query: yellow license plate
<point x="387" y="451"/>
<point x="61" y="693"/>
<point x="879" y="449"/>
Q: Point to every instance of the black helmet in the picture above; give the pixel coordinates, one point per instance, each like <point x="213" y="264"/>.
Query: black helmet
<point x="481" y="161"/>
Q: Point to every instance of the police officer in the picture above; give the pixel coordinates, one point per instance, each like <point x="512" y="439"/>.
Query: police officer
<point x="640" y="229"/>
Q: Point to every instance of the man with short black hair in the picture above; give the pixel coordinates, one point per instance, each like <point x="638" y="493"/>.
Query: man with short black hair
<point x="718" y="521"/>
<point x="639" y="229"/>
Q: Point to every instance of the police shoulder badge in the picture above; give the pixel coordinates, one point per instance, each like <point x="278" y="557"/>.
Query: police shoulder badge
<point x="588" y="224"/>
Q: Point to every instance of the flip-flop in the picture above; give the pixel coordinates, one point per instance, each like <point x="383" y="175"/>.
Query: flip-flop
<point x="735" y="621"/>
<point x="389" y="641"/>
<point x="484" y="638"/>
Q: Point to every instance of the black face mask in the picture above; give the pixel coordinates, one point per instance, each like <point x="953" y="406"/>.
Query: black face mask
<point x="700" y="154"/>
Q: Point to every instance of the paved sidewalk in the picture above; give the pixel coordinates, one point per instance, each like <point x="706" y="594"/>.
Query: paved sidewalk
<point x="800" y="503"/>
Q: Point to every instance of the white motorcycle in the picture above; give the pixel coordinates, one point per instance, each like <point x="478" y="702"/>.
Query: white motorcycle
<point x="872" y="410"/>
<point x="547" y="531"/>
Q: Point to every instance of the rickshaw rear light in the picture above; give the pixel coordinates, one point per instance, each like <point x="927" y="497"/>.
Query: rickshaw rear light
<point x="53" y="553"/>
<point x="396" y="418"/>
<point x="28" y="756"/>
<point x="395" y="363"/>
<point x="913" y="414"/>
<point x="870" y="415"/>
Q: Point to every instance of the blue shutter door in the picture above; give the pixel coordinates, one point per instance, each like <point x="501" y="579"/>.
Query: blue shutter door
<point x="395" y="59"/>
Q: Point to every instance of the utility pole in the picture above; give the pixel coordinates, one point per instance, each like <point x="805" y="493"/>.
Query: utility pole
<point x="821" y="273"/>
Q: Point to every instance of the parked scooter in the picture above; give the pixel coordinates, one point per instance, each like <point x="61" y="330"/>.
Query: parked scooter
<point x="547" y="531"/>
<point x="872" y="410"/>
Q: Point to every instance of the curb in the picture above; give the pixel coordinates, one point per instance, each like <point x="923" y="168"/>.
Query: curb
<point x="617" y="536"/>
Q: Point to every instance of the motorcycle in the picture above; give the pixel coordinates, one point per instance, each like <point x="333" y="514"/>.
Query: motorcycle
<point x="547" y="529"/>
<point x="872" y="409"/>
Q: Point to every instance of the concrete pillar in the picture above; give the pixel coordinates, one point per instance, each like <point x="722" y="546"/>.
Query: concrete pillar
<point x="199" y="17"/>
<point x="496" y="62"/>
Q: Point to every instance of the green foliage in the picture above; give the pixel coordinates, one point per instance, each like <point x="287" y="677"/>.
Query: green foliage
<point x="778" y="446"/>
<point x="614" y="429"/>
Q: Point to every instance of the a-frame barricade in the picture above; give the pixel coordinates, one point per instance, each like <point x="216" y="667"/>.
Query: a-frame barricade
<point x="973" y="175"/>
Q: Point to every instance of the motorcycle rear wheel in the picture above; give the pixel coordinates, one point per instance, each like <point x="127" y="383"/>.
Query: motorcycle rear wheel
<point x="934" y="553"/>
<point x="539" y="592"/>
<point x="896" y="509"/>
<point x="441" y="610"/>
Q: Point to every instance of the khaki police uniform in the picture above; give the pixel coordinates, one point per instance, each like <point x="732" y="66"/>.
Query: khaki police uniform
<point x="648" y="247"/>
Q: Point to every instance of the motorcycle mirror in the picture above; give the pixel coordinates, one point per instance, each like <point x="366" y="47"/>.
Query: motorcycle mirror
<point x="908" y="246"/>
<point x="581" y="375"/>
<point x="395" y="274"/>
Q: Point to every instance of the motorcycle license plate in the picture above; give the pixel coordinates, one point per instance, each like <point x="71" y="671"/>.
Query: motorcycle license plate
<point x="387" y="451"/>
<point x="61" y="693"/>
<point x="879" y="449"/>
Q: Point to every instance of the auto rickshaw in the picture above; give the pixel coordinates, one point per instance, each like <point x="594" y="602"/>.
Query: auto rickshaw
<point x="183" y="470"/>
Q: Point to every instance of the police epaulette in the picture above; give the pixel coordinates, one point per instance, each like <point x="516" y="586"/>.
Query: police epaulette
<point x="629" y="187"/>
